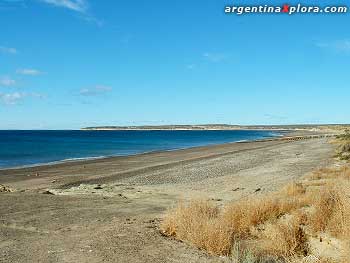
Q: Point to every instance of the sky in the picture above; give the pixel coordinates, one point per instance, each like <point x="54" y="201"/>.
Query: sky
<point x="67" y="64"/>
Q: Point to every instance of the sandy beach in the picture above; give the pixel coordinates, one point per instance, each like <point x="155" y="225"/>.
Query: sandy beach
<point x="109" y="210"/>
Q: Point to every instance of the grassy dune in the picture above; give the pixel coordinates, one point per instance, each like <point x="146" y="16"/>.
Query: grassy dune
<point x="307" y="221"/>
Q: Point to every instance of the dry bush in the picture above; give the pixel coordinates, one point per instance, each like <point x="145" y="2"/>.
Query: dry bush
<point x="339" y="223"/>
<point x="180" y="220"/>
<point x="325" y="206"/>
<point x="332" y="212"/>
<point x="330" y="173"/>
<point x="344" y="136"/>
<point x="285" y="239"/>
<point x="200" y="223"/>
<point x="197" y="223"/>
<point x="345" y="147"/>
<point x="344" y="150"/>
<point x="316" y="175"/>
<point x="294" y="189"/>
<point x="345" y="172"/>
<point x="242" y="216"/>
<point x="324" y="173"/>
<point x="260" y="225"/>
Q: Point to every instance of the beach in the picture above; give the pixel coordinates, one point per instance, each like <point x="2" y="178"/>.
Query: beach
<point x="108" y="210"/>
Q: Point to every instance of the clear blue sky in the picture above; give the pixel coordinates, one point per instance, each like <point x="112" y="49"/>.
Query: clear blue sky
<point x="68" y="64"/>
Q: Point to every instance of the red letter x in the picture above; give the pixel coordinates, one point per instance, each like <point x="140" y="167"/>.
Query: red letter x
<point x="285" y="9"/>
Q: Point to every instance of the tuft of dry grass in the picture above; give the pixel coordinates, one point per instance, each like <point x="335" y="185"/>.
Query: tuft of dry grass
<point x="324" y="173"/>
<point x="343" y="141"/>
<point x="286" y="239"/>
<point x="276" y="226"/>
<point x="325" y="207"/>
<point x="294" y="189"/>
<point x="332" y="211"/>
<point x="242" y="216"/>
<point x="345" y="172"/>
<point x="197" y="223"/>
<point x="183" y="218"/>
<point x="202" y="225"/>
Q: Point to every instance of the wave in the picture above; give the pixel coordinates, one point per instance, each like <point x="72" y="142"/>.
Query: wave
<point x="68" y="160"/>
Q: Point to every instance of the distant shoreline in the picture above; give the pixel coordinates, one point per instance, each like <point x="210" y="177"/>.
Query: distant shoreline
<point x="102" y="157"/>
<point x="287" y="136"/>
<point x="216" y="127"/>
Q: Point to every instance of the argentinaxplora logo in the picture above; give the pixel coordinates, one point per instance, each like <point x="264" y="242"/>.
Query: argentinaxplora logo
<point x="285" y="9"/>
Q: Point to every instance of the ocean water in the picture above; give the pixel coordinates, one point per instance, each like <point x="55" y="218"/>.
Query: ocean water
<point x="26" y="148"/>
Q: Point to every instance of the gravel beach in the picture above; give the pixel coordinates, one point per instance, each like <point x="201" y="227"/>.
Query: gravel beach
<point x="108" y="210"/>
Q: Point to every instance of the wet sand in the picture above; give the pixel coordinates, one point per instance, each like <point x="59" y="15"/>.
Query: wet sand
<point x="108" y="210"/>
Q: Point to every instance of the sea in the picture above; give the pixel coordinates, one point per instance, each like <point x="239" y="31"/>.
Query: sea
<point x="20" y="148"/>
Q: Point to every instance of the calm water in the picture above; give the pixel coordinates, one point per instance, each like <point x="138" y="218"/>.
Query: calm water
<point x="22" y="148"/>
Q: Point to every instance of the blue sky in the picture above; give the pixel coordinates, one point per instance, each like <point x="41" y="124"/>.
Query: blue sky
<point x="66" y="64"/>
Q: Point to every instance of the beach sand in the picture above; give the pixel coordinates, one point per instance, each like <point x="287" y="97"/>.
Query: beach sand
<point x="108" y="210"/>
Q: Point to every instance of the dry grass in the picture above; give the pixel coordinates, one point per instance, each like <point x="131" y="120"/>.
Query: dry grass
<point x="325" y="207"/>
<point x="197" y="223"/>
<point x="240" y="217"/>
<point x="286" y="239"/>
<point x="332" y="213"/>
<point x="294" y="189"/>
<point x="204" y="226"/>
<point x="343" y="151"/>
<point x="276" y="226"/>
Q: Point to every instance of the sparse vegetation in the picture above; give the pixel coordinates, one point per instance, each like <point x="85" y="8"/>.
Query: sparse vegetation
<point x="276" y="228"/>
<point x="344" y="136"/>
<point x="344" y="145"/>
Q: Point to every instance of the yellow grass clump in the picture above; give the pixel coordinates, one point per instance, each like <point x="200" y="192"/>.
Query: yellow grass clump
<point x="197" y="223"/>
<point x="276" y="226"/>
<point x="240" y="217"/>
<point x="332" y="211"/>
<point x="285" y="239"/>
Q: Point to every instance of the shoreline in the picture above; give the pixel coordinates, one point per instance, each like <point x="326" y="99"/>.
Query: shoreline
<point x="86" y="159"/>
<point x="282" y="133"/>
<point x="107" y="168"/>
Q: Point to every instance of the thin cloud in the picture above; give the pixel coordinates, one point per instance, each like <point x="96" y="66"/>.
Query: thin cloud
<point x="29" y="71"/>
<point x="338" y="45"/>
<point x="80" y="6"/>
<point x="95" y="91"/>
<point x="8" y="50"/>
<point x="214" y="57"/>
<point x="11" y="98"/>
<point x="16" y="97"/>
<point x="7" y="82"/>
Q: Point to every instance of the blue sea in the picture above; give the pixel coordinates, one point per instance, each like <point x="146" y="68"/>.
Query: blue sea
<point x="28" y="148"/>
